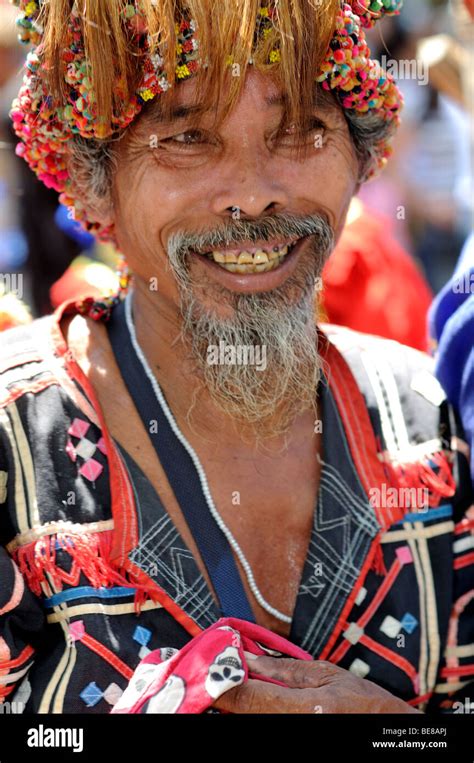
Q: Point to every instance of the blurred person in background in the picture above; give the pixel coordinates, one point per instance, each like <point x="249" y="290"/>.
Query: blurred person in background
<point x="430" y="175"/>
<point x="372" y="284"/>
<point x="13" y="250"/>
<point x="451" y="318"/>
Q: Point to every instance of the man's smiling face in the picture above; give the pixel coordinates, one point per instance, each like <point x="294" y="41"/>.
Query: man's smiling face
<point x="235" y="223"/>
<point x="171" y="180"/>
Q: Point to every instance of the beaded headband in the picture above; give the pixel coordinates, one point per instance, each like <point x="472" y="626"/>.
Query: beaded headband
<point x="45" y="132"/>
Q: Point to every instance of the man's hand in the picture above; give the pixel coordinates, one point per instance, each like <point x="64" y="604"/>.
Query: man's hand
<point x="312" y="687"/>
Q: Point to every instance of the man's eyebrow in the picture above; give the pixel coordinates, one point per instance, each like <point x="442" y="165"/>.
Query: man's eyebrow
<point x="181" y="111"/>
<point x="321" y="100"/>
<point x="156" y="112"/>
<point x="277" y="99"/>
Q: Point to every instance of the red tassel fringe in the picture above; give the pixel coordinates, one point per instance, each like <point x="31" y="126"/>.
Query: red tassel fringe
<point x="435" y="485"/>
<point x="90" y="554"/>
<point x="421" y="475"/>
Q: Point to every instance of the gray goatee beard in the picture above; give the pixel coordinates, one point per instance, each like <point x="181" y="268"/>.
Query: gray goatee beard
<point x="274" y="366"/>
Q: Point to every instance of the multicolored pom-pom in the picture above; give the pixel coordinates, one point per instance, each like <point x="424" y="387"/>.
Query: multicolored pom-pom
<point x="348" y="69"/>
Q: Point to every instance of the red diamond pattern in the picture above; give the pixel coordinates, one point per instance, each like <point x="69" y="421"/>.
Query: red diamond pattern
<point x="91" y="469"/>
<point x="78" y="428"/>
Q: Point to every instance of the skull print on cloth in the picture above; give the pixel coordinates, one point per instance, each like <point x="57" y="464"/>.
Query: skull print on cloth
<point x="225" y="673"/>
<point x="190" y="679"/>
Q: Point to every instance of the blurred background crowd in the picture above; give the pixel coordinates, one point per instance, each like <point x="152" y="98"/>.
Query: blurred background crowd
<point x="405" y="231"/>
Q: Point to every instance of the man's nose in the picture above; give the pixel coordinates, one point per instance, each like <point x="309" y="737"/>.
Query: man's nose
<point x="248" y="186"/>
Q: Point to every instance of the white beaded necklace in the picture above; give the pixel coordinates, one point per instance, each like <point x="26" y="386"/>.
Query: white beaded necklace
<point x="202" y="476"/>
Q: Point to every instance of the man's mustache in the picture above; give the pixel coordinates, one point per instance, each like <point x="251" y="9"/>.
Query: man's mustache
<point x="284" y="226"/>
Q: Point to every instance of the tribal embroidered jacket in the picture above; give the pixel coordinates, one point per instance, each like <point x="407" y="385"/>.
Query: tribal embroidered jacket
<point x="94" y="574"/>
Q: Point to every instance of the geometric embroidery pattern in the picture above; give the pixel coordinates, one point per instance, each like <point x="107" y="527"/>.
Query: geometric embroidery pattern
<point x="142" y="635"/>
<point x="343" y="529"/>
<point x="162" y="554"/>
<point x="92" y="694"/>
<point x="84" y="442"/>
<point x="390" y="626"/>
<point x="359" y="668"/>
<point x="409" y="623"/>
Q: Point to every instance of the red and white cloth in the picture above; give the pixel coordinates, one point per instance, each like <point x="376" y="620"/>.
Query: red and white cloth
<point x="190" y="679"/>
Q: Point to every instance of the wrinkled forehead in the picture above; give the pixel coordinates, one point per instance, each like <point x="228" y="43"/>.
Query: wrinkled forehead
<point x="185" y="101"/>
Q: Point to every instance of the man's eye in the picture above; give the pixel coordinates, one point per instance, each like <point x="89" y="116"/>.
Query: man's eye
<point x="188" y="138"/>
<point x="187" y="148"/>
<point x="295" y="133"/>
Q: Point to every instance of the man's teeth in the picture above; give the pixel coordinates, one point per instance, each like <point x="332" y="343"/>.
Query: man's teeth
<point x="259" y="261"/>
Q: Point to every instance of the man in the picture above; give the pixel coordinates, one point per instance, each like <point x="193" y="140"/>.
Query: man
<point x="207" y="451"/>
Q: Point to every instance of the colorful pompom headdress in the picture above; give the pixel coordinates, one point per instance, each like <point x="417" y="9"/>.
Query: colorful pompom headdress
<point x="154" y="44"/>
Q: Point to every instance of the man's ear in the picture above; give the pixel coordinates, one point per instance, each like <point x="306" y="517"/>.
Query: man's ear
<point x="90" y="185"/>
<point x="97" y="211"/>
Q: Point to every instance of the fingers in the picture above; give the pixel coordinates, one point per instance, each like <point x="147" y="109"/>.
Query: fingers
<point x="311" y="687"/>
<point x="257" y="697"/>
<point x="297" y="674"/>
